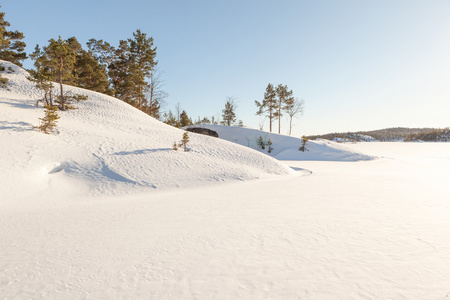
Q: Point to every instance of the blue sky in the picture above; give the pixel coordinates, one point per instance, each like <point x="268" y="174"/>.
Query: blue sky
<point x="358" y="65"/>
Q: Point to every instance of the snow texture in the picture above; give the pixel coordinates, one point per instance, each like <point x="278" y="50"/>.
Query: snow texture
<point x="107" y="147"/>
<point x="287" y="147"/>
<point x="92" y="212"/>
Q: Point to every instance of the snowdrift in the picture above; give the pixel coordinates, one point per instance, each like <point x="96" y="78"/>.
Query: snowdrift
<point x="286" y="147"/>
<point x="107" y="147"/>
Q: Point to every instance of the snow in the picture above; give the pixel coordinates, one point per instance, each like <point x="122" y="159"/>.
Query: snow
<point x="106" y="147"/>
<point x="286" y="147"/>
<point x="78" y="221"/>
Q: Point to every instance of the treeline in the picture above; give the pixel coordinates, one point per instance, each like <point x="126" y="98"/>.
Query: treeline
<point x="181" y="119"/>
<point x="435" y="135"/>
<point x="278" y="101"/>
<point x="12" y="46"/>
<point x="128" y="72"/>
<point x="384" y="135"/>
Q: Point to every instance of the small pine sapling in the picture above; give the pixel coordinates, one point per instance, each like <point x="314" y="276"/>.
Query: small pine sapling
<point x="261" y="144"/>
<point x="269" y="145"/>
<point x="175" y="146"/>
<point x="184" y="141"/>
<point x="48" y="122"/>
<point x="3" y="80"/>
<point x="303" y="146"/>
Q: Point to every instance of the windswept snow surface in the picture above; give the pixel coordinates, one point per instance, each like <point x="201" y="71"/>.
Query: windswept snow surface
<point x="376" y="229"/>
<point x="106" y="147"/>
<point x="287" y="147"/>
<point x="367" y="230"/>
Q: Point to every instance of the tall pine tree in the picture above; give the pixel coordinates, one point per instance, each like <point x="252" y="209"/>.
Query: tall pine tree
<point x="12" y="48"/>
<point x="106" y="55"/>
<point x="90" y="73"/>
<point x="269" y="104"/>
<point x="119" y="74"/>
<point x="56" y="62"/>
<point x="61" y="59"/>
<point x="284" y="99"/>
<point x="142" y="56"/>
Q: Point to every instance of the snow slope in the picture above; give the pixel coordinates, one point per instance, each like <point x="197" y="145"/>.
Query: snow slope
<point x="376" y="229"/>
<point x="106" y="147"/>
<point x="370" y="230"/>
<point x="286" y="147"/>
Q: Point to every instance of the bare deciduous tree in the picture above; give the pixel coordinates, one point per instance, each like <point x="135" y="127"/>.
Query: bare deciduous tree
<point x="155" y="95"/>
<point x="293" y="110"/>
<point x="178" y="111"/>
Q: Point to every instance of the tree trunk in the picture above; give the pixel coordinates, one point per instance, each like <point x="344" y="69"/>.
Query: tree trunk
<point x="290" y="125"/>
<point x="279" y="119"/>
<point x="63" y="102"/>
<point x="270" y="120"/>
<point x="51" y="98"/>
<point x="140" y="97"/>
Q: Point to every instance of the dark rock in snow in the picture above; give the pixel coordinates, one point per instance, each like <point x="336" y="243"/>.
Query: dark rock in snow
<point x="204" y="131"/>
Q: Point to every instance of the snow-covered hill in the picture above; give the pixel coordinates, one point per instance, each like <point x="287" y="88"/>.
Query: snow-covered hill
<point x="372" y="230"/>
<point x="107" y="147"/>
<point x="286" y="147"/>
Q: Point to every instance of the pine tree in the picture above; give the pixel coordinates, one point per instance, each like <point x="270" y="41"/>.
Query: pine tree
<point x="284" y="99"/>
<point x="119" y="73"/>
<point x="3" y="80"/>
<point x="184" y="119"/>
<point x="303" y="146"/>
<point x="49" y="122"/>
<point x="103" y="52"/>
<point x="142" y="56"/>
<point x="269" y="145"/>
<point x="60" y="58"/>
<point x="131" y="70"/>
<point x="170" y="119"/>
<point x="205" y="120"/>
<point x="90" y="73"/>
<point x="108" y="58"/>
<point x="12" y="48"/>
<point x="261" y="143"/>
<point x="56" y="62"/>
<point x="228" y="113"/>
<point x="268" y="106"/>
<point x="185" y="141"/>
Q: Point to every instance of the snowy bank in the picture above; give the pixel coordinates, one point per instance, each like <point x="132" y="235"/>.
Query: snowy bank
<point x="107" y="147"/>
<point x="286" y="147"/>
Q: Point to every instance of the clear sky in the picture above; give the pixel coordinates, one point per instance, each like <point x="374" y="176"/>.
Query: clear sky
<point x="358" y="65"/>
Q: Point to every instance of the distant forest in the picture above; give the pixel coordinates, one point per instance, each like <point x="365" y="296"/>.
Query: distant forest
<point x="390" y="134"/>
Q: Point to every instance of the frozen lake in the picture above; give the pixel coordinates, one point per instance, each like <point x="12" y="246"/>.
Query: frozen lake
<point x="375" y="229"/>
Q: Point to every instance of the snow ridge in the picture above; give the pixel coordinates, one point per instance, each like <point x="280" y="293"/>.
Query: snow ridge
<point x="107" y="147"/>
<point x="287" y="147"/>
